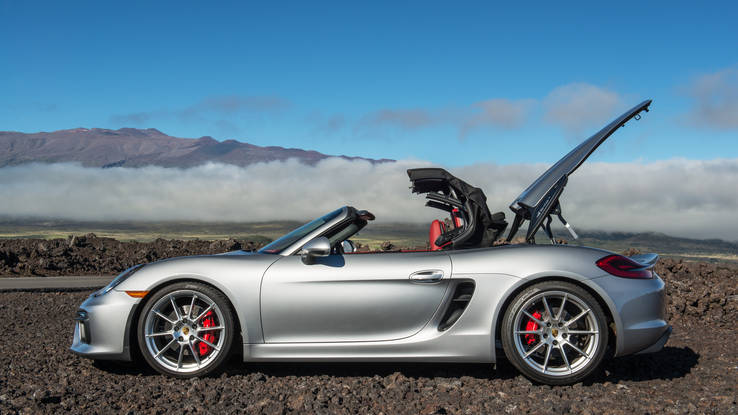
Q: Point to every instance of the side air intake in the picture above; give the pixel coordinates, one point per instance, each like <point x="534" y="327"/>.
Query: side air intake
<point x="461" y="298"/>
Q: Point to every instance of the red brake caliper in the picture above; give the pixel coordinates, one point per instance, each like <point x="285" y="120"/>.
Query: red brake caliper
<point x="207" y="322"/>
<point x="529" y="326"/>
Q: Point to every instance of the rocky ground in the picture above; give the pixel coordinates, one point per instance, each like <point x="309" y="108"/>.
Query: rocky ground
<point x="697" y="372"/>
<point x="93" y="255"/>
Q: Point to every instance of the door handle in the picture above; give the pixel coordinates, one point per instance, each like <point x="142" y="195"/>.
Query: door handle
<point x="431" y="275"/>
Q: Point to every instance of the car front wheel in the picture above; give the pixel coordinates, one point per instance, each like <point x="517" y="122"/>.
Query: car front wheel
<point x="555" y="333"/>
<point x="186" y="330"/>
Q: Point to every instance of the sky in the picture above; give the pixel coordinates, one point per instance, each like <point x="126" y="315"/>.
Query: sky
<point x="493" y="92"/>
<point x="453" y="84"/>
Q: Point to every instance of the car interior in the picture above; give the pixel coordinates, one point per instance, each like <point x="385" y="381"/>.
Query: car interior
<point x="469" y="224"/>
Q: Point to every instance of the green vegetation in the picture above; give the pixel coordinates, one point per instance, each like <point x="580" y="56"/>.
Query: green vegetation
<point x="145" y="231"/>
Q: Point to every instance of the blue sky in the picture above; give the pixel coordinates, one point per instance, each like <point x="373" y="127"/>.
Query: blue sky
<point x="455" y="84"/>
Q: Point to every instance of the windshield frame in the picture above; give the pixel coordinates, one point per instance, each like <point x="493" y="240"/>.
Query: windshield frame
<point x="296" y="238"/>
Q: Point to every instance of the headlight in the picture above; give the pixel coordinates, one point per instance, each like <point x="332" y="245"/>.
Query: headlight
<point x="119" y="279"/>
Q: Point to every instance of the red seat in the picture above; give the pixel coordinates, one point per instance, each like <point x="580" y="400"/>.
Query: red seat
<point x="436" y="229"/>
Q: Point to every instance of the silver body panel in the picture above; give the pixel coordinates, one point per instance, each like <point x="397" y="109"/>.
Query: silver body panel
<point x="351" y="298"/>
<point x="105" y="326"/>
<point x="364" y="307"/>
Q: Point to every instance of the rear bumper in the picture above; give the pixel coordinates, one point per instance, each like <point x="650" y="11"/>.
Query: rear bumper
<point x="101" y="327"/>
<point x="639" y="311"/>
<point x="656" y="347"/>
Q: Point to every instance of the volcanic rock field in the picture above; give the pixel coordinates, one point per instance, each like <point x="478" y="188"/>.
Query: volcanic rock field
<point x="697" y="371"/>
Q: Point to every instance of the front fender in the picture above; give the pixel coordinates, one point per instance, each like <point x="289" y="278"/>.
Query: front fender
<point x="237" y="277"/>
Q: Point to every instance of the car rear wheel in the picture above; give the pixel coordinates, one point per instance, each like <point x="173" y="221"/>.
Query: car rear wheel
<point x="186" y="330"/>
<point x="555" y="333"/>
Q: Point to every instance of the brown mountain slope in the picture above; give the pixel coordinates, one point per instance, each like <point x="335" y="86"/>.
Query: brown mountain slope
<point x="130" y="147"/>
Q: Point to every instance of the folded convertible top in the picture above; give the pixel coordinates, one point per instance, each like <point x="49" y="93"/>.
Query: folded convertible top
<point x="446" y="192"/>
<point x="538" y="203"/>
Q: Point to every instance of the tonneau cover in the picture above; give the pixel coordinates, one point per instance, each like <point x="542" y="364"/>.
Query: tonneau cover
<point x="540" y="199"/>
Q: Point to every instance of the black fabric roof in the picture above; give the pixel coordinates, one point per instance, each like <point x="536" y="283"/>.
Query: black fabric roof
<point x="486" y="228"/>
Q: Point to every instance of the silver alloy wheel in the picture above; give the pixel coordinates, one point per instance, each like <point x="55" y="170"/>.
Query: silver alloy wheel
<point x="556" y="333"/>
<point x="175" y="329"/>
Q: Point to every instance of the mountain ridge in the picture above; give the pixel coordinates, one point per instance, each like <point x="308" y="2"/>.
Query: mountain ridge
<point x="133" y="147"/>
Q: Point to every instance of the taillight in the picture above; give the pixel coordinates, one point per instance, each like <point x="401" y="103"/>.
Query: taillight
<point x="625" y="267"/>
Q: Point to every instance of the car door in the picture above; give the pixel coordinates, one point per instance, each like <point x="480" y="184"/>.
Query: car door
<point x="352" y="297"/>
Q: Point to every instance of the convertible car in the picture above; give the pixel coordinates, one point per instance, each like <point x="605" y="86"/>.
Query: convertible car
<point x="555" y="311"/>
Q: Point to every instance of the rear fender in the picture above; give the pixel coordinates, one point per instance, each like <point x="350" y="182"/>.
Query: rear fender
<point x="523" y="283"/>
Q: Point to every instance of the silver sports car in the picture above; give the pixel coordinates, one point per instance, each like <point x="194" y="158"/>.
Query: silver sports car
<point x="555" y="311"/>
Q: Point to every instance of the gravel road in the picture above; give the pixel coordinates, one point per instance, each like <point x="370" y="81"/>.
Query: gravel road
<point x="696" y="373"/>
<point x="75" y="283"/>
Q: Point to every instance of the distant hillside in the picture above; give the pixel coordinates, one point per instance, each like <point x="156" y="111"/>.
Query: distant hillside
<point x="130" y="147"/>
<point x="659" y="243"/>
<point x="400" y="234"/>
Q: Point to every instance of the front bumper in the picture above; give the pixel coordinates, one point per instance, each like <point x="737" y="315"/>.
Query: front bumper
<point x="102" y="325"/>
<point x="639" y="311"/>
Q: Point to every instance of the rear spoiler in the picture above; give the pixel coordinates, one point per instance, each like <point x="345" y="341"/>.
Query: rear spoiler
<point x="647" y="260"/>
<point x="541" y="199"/>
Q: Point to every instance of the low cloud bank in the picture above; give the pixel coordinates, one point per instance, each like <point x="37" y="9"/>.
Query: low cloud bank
<point x="679" y="197"/>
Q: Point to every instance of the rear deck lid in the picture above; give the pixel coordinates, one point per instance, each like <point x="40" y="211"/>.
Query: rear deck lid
<point x="541" y="198"/>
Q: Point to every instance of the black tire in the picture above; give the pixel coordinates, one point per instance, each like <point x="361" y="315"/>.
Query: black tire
<point x="554" y="339"/>
<point x="222" y="312"/>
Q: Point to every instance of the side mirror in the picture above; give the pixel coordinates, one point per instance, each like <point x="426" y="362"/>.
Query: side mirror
<point x="348" y="246"/>
<point x="315" y="248"/>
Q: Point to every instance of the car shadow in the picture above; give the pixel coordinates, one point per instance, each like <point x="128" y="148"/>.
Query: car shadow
<point x="136" y="368"/>
<point x="669" y="363"/>
<point x="364" y="369"/>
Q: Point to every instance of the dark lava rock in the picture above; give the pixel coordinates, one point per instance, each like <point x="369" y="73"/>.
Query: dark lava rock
<point x="93" y="255"/>
<point x="698" y="291"/>
<point x="388" y="246"/>
<point x="695" y="373"/>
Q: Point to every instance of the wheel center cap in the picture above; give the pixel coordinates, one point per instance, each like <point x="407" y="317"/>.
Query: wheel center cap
<point x="555" y="332"/>
<point x="185" y="330"/>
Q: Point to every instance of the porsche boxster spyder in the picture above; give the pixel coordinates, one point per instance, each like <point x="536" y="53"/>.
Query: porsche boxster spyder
<point x="555" y="311"/>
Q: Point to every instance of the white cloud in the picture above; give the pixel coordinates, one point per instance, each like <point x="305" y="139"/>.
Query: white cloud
<point x="491" y="113"/>
<point x="408" y="119"/>
<point x="715" y="98"/>
<point x="580" y="105"/>
<point x="679" y="197"/>
<point x="575" y="107"/>
<point x="497" y="112"/>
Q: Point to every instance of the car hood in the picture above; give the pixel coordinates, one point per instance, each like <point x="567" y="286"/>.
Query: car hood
<point x="239" y="252"/>
<point x="214" y="269"/>
<point x="541" y="198"/>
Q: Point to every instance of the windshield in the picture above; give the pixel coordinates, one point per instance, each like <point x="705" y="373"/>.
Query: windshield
<point x="299" y="233"/>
